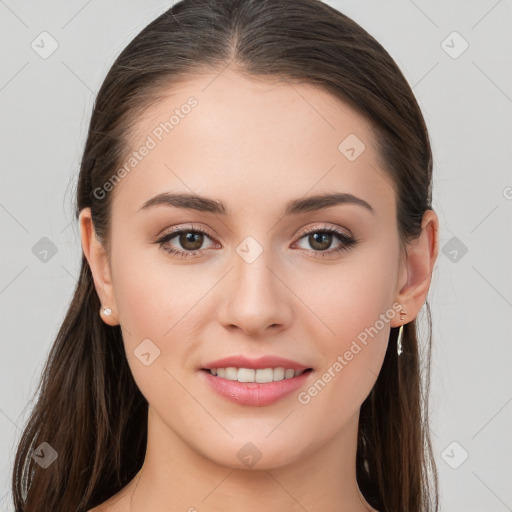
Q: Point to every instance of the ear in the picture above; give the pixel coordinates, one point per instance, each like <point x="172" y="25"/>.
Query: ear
<point x="100" y="266"/>
<point x="417" y="268"/>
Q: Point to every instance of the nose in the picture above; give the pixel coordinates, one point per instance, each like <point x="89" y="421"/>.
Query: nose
<point x="255" y="297"/>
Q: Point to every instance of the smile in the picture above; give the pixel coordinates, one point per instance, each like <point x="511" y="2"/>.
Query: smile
<point x="251" y="392"/>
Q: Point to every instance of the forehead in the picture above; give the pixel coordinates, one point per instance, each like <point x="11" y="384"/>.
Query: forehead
<point x="252" y="142"/>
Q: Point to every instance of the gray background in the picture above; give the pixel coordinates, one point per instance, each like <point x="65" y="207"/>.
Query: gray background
<point x="466" y="99"/>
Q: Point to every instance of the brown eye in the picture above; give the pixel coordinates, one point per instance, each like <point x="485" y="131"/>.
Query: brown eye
<point x="320" y="241"/>
<point x="186" y="242"/>
<point x="191" y="240"/>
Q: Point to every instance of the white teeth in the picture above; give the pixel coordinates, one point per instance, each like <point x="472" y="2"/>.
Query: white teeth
<point x="251" y="375"/>
<point x="244" y="374"/>
<point x="230" y="373"/>
<point x="278" y="374"/>
<point x="263" y="375"/>
<point x="288" y="374"/>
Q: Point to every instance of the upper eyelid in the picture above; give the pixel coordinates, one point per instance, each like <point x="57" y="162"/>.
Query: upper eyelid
<point x="180" y="229"/>
<point x="313" y="229"/>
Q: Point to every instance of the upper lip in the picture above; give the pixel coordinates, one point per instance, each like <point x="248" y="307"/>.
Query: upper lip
<point x="259" y="363"/>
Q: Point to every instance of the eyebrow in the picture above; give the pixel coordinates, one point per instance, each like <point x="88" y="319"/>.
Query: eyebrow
<point x="294" y="207"/>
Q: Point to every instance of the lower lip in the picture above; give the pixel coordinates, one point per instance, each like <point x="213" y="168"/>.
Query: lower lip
<point x="254" y="393"/>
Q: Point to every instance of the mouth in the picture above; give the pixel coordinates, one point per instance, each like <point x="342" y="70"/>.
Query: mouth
<point x="256" y="387"/>
<point x="251" y="375"/>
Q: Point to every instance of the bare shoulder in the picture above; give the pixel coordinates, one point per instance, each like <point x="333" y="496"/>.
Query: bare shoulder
<point x="105" y="507"/>
<point x="100" y="508"/>
<point x="113" y="504"/>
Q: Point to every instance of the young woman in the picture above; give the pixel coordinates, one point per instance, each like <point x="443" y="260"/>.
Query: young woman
<point x="256" y="220"/>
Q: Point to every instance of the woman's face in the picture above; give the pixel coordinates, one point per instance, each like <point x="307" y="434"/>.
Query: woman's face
<point x="263" y="279"/>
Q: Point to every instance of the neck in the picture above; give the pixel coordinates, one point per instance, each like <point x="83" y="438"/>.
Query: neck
<point x="174" y="477"/>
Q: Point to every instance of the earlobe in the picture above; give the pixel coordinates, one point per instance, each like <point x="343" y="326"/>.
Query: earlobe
<point x="100" y="267"/>
<point x="419" y="264"/>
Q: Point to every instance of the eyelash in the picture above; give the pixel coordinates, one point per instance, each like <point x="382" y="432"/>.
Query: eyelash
<point x="347" y="241"/>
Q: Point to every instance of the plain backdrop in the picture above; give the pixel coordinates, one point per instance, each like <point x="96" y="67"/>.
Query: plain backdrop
<point x="457" y="57"/>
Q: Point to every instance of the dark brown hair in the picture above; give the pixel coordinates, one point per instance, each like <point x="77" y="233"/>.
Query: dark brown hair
<point x="89" y="407"/>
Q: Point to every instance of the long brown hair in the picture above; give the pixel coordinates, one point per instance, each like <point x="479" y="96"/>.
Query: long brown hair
<point x="89" y="408"/>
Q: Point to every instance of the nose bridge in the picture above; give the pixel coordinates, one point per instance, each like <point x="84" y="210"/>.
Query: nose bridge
<point x="255" y="298"/>
<point x="253" y="278"/>
<point x="252" y="267"/>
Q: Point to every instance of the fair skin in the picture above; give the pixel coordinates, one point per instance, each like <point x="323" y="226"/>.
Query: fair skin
<point x="254" y="146"/>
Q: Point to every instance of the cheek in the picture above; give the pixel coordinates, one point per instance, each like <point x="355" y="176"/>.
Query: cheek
<point x="154" y="312"/>
<point x="352" y="357"/>
<point x="160" y="310"/>
<point x="151" y="293"/>
<point x="350" y="297"/>
<point x="354" y="304"/>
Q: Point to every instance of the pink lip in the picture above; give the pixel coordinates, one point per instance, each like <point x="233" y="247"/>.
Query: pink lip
<point x="256" y="364"/>
<point x="253" y="393"/>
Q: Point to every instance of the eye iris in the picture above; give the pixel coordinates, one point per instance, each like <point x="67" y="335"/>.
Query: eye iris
<point x="196" y="239"/>
<point x="324" y="243"/>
